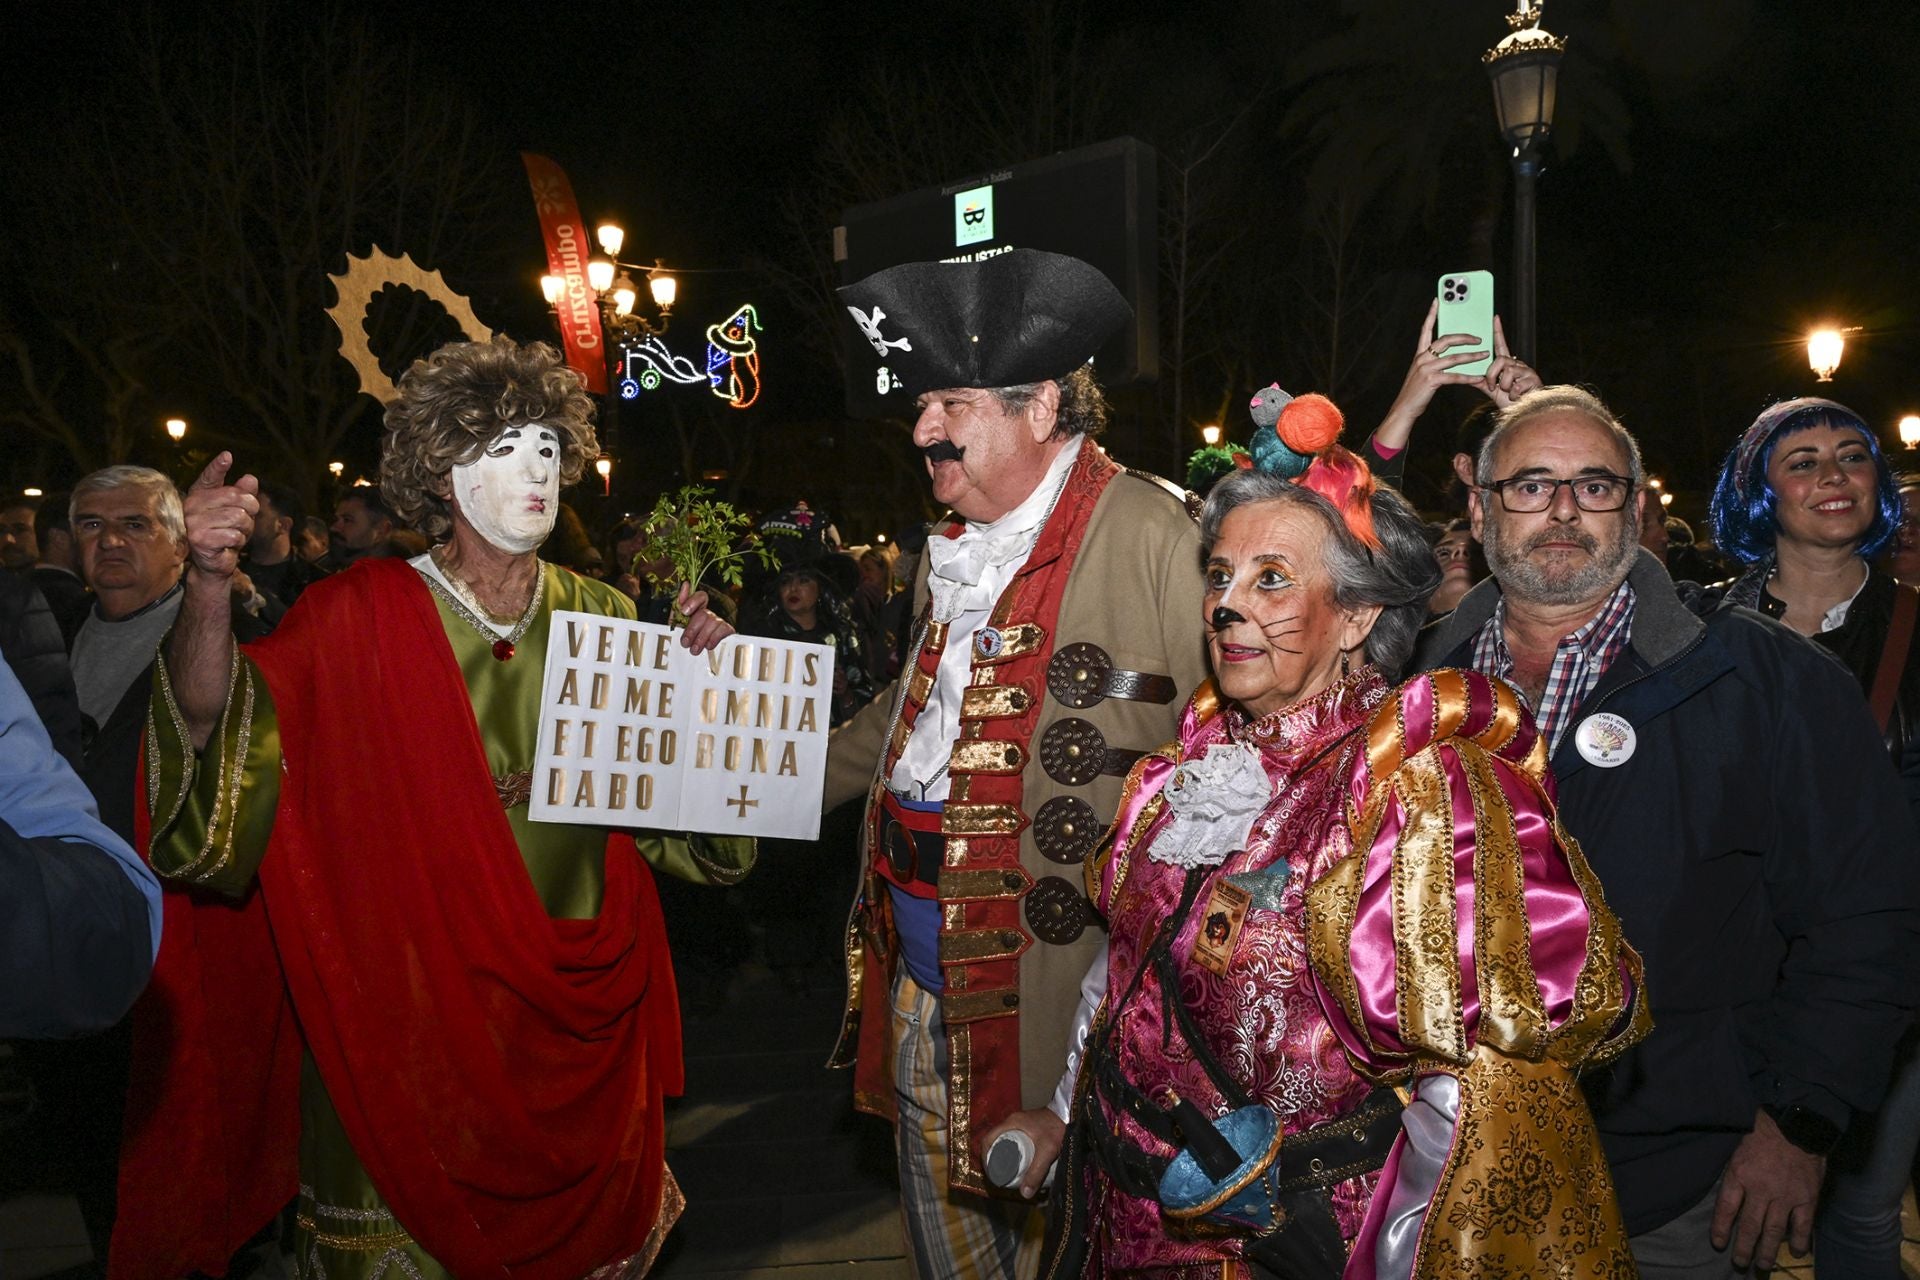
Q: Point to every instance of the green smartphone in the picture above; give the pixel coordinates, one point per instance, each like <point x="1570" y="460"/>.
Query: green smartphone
<point x="1466" y="306"/>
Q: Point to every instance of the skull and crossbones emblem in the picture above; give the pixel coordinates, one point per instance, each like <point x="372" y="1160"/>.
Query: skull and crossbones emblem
<point x="870" y="325"/>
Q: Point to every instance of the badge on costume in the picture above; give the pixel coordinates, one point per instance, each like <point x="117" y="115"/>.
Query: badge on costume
<point x="1220" y="926"/>
<point x="1605" y="740"/>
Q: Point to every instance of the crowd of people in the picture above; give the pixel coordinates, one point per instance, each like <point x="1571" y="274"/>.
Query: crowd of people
<point x="1264" y="881"/>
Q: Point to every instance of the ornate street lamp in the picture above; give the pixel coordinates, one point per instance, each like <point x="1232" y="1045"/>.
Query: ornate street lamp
<point x="1910" y="431"/>
<point x="615" y="292"/>
<point x="1824" y="348"/>
<point x="604" y="466"/>
<point x="1525" y="70"/>
<point x="177" y="429"/>
<point x="337" y="468"/>
<point x="1210" y="434"/>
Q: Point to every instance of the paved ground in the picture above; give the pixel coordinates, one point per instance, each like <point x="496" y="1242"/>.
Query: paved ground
<point x="782" y="1178"/>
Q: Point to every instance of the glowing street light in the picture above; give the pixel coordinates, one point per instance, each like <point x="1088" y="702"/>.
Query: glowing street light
<point x="1666" y="499"/>
<point x="177" y="429"/>
<point x="1910" y="431"/>
<point x="337" y="468"/>
<point x="662" y="286"/>
<point x="604" y="465"/>
<point x="1824" y="348"/>
<point x="31" y="492"/>
<point x="1211" y="434"/>
<point x="611" y="237"/>
<point x="551" y="287"/>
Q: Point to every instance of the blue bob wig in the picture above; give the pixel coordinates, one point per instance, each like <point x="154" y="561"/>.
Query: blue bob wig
<point x="1743" y="512"/>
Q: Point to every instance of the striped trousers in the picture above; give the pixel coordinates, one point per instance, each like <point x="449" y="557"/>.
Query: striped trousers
<point x="950" y="1235"/>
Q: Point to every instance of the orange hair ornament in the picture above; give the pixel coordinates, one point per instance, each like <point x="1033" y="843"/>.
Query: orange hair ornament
<point x="1298" y="439"/>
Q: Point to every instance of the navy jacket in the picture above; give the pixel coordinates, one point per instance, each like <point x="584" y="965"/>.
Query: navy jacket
<point x="1759" y="851"/>
<point x="79" y="910"/>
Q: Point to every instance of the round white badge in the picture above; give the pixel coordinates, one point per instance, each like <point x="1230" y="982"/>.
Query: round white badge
<point x="1605" y="739"/>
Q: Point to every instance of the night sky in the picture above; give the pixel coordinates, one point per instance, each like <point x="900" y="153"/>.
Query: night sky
<point x="1746" y="169"/>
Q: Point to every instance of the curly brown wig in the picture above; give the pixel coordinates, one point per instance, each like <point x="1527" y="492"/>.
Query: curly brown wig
<point x="451" y="406"/>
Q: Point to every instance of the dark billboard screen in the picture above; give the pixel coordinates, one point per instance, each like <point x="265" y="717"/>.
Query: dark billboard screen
<point x="1097" y="203"/>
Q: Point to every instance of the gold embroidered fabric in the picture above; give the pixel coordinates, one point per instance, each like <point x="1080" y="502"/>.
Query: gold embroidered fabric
<point x="1454" y="793"/>
<point x="1525" y="1191"/>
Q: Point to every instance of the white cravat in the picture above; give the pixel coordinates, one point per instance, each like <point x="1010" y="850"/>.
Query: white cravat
<point x="966" y="576"/>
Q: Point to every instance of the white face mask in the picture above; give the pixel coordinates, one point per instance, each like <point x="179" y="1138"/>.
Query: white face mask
<point x="510" y="494"/>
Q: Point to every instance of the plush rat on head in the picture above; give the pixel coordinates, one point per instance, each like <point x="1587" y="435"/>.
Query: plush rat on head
<point x="1298" y="439"/>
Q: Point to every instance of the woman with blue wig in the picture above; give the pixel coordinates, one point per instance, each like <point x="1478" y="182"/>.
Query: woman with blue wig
<point x="1806" y="500"/>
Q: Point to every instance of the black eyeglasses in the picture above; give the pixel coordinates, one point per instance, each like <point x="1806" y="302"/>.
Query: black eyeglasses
<point x="1596" y="491"/>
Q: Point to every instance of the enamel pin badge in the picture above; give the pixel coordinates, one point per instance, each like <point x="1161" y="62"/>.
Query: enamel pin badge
<point x="1605" y="740"/>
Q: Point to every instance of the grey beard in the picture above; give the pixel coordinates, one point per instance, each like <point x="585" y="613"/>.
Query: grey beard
<point x="1524" y="578"/>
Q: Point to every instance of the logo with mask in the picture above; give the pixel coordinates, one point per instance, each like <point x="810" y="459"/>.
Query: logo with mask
<point x="973" y="215"/>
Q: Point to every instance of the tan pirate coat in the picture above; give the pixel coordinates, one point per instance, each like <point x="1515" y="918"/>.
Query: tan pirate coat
<point x="1099" y="641"/>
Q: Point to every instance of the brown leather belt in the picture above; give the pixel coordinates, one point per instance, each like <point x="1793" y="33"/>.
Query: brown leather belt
<point x="1081" y="675"/>
<point x="1075" y="752"/>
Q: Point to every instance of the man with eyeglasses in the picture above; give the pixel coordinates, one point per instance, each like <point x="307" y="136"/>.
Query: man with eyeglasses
<point x="1729" y="787"/>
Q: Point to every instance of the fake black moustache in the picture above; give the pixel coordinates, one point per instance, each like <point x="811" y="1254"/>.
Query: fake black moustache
<point x="943" y="451"/>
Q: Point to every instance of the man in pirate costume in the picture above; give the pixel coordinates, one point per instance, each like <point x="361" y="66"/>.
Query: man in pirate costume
<point x="448" y="1027"/>
<point x="1056" y="638"/>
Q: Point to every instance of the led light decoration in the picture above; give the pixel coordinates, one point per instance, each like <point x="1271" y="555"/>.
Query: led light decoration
<point x="657" y="365"/>
<point x="733" y="358"/>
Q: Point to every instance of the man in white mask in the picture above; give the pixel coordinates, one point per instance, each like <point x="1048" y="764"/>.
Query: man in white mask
<point x="464" y="1018"/>
<point x="1057" y="640"/>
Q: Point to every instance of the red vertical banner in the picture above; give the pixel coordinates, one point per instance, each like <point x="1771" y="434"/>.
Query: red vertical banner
<point x="568" y="249"/>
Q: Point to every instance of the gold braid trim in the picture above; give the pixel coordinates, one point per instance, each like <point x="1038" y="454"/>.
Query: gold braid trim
<point x="237" y="773"/>
<point x="1513" y="1016"/>
<point x="716" y="872"/>
<point x="1116" y="846"/>
<point x="1426" y="956"/>
<point x="178" y="725"/>
<point x="377" y="1242"/>
<point x="222" y="787"/>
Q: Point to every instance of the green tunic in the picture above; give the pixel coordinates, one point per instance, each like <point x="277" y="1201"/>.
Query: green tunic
<point x="213" y="815"/>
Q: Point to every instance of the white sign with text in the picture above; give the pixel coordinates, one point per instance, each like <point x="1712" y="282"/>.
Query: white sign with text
<point x="637" y="732"/>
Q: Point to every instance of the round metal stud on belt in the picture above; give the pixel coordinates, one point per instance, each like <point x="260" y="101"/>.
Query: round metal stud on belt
<point x="1075" y="752"/>
<point x="1057" y="912"/>
<point x="1081" y="675"/>
<point x="1077" y="674"/>
<point x="1066" y="829"/>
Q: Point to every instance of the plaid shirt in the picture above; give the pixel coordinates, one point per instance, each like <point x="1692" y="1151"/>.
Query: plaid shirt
<point x="1579" y="660"/>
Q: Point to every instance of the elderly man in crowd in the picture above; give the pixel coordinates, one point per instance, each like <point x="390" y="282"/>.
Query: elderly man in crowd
<point x="1728" y="785"/>
<point x="1057" y="633"/>
<point x="450" y="1028"/>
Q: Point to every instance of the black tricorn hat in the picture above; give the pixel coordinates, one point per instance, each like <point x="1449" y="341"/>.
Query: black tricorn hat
<point x="1017" y="317"/>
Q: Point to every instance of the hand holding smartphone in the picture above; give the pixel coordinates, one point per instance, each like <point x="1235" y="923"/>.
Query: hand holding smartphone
<point x="1465" y="309"/>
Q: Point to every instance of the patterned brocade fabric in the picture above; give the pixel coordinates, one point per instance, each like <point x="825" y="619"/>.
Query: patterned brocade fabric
<point x="1260" y="1017"/>
<point x="1466" y="936"/>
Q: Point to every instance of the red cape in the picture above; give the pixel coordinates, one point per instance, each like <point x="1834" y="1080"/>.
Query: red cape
<point x="499" y="1072"/>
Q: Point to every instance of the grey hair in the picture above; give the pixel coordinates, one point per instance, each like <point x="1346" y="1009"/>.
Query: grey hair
<point x="1398" y="577"/>
<point x="1083" y="406"/>
<point x="1557" y="399"/>
<point x="166" y="498"/>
